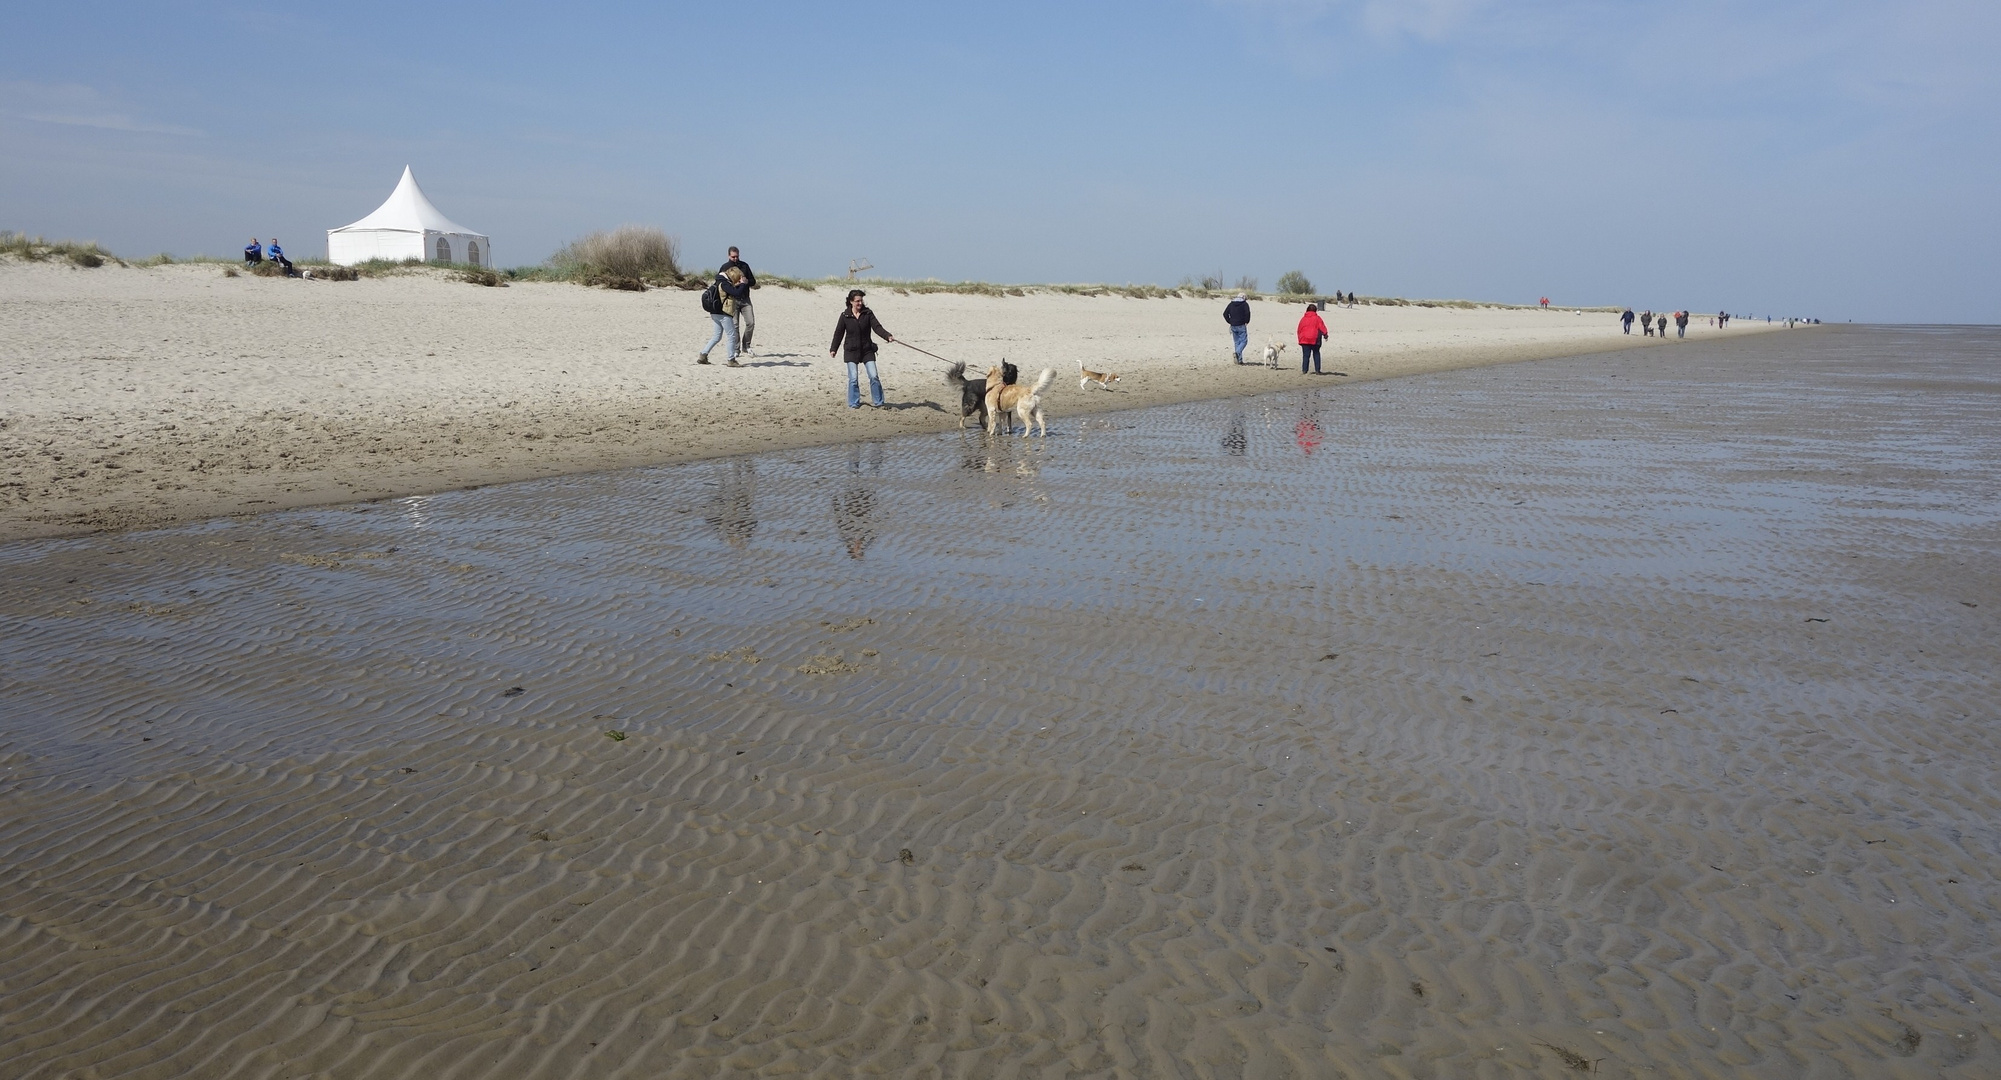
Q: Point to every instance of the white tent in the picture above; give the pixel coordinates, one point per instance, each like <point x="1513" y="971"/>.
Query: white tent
<point x="407" y="226"/>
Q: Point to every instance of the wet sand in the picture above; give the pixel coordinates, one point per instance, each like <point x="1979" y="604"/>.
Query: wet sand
<point x="1612" y="710"/>
<point x="144" y="396"/>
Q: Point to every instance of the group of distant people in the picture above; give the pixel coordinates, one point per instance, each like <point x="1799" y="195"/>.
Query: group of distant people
<point x="1650" y="323"/>
<point x="255" y="253"/>
<point x="727" y="300"/>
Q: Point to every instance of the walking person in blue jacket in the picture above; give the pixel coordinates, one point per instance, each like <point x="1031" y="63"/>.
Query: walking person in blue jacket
<point x="1238" y="314"/>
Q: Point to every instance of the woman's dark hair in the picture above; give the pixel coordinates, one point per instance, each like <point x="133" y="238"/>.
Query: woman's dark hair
<point x="854" y="294"/>
<point x="1313" y="307"/>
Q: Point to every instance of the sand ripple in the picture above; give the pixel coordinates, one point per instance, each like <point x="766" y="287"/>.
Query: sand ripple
<point x="1632" y="711"/>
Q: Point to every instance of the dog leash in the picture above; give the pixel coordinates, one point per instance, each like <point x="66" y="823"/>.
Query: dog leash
<point x="926" y="352"/>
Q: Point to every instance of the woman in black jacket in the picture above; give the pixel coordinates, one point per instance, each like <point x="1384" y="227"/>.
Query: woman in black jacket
<point x="851" y="337"/>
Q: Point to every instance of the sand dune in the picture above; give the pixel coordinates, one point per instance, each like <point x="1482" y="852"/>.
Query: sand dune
<point x="1468" y="725"/>
<point x="145" y="396"/>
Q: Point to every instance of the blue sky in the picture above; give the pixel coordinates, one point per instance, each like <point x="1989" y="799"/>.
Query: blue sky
<point x="1833" y="158"/>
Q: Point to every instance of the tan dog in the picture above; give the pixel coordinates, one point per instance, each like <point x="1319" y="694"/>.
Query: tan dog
<point x="1023" y="402"/>
<point x="1104" y="379"/>
<point x="1273" y="352"/>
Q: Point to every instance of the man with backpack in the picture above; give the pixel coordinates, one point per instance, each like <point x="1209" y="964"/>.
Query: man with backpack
<point x="746" y="320"/>
<point x="1238" y="314"/>
<point x="721" y="300"/>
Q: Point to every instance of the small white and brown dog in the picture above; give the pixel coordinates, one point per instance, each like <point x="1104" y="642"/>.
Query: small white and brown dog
<point x="1104" y="379"/>
<point x="1274" y="351"/>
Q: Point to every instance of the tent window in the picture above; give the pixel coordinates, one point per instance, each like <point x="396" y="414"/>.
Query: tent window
<point x="444" y="250"/>
<point x="472" y="252"/>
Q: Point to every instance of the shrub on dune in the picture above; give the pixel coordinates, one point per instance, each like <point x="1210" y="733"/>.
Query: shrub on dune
<point x="1294" y="283"/>
<point x="621" y="258"/>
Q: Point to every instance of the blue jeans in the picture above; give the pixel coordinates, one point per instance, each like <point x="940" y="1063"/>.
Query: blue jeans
<point x="874" y="386"/>
<point x="725" y="328"/>
<point x="1240" y="338"/>
<point x="1309" y="353"/>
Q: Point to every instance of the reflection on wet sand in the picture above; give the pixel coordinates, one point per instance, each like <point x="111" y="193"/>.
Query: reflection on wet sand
<point x="730" y="508"/>
<point x="1306" y="431"/>
<point x="854" y="506"/>
<point x="1234" y="441"/>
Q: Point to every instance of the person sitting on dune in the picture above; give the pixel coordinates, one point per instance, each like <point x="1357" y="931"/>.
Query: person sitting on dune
<point x="253" y="252"/>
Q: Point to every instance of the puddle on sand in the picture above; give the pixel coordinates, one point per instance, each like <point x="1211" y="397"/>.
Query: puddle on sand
<point x="1639" y="706"/>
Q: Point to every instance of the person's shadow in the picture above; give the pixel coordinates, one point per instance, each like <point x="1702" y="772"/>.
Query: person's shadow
<point x="774" y="362"/>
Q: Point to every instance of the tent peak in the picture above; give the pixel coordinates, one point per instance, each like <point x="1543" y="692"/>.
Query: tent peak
<point x="408" y="210"/>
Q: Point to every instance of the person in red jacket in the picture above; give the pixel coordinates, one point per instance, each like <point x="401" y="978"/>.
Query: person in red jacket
<point x="1312" y="331"/>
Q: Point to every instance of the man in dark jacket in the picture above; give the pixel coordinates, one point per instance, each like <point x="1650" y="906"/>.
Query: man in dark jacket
<point x="853" y="344"/>
<point x="1626" y="321"/>
<point x="1238" y="314"/>
<point x="746" y="321"/>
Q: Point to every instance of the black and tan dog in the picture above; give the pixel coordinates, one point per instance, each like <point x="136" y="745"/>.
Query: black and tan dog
<point x="973" y="392"/>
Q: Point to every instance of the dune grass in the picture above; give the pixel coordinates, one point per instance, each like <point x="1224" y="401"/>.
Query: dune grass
<point x="926" y="286"/>
<point x="1206" y="289"/>
<point x="635" y="257"/>
<point x="86" y="254"/>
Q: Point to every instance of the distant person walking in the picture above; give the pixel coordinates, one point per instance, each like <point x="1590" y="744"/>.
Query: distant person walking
<point x="853" y="344"/>
<point x="1238" y="314"/>
<point x="1681" y="324"/>
<point x="1626" y="321"/>
<point x="1312" y="331"/>
<point x="253" y="252"/>
<point x="721" y="301"/>
<point x="746" y="319"/>
<point x="1646" y="324"/>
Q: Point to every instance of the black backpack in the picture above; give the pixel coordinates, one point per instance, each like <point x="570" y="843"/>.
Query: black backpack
<point x="712" y="300"/>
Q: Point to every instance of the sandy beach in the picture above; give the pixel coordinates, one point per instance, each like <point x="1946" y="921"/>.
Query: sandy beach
<point x="143" y="396"/>
<point x="1628" y="714"/>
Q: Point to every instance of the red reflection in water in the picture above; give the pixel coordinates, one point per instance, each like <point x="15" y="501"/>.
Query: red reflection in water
<point x="1307" y="434"/>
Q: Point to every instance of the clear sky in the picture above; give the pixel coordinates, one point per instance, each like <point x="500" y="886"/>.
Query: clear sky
<point x="1831" y="158"/>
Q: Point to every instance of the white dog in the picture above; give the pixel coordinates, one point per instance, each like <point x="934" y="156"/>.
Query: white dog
<point x="1273" y="352"/>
